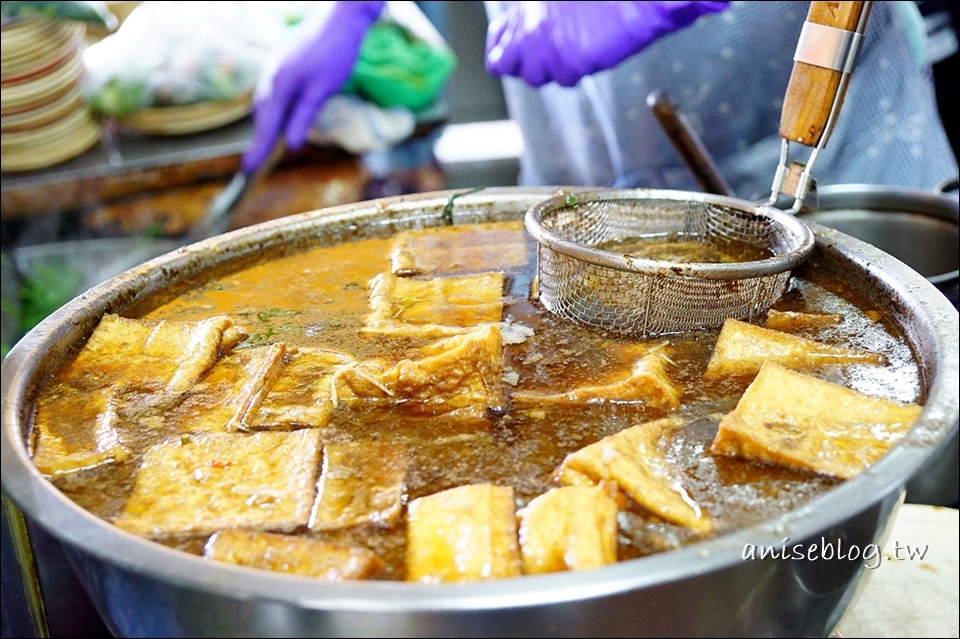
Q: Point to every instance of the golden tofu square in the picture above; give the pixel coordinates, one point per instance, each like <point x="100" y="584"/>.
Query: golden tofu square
<point x="63" y="446"/>
<point x="301" y="392"/>
<point x="634" y="459"/>
<point x="405" y="307"/>
<point x="452" y="249"/>
<point x="468" y="533"/>
<point x="646" y="383"/>
<point x="361" y="483"/>
<point x="294" y="555"/>
<point x="167" y="354"/>
<point x="569" y="528"/>
<point x="79" y="422"/>
<point x="199" y="484"/>
<point x="791" y="321"/>
<point x="458" y="376"/>
<point x="221" y="400"/>
<point x="742" y="348"/>
<point x="803" y="422"/>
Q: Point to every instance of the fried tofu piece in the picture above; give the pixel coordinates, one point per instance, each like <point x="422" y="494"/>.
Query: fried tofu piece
<point x="361" y="483"/>
<point x="221" y="400"/>
<point x="294" y="555"/>
<point x="77" y="423"/>
<point x="198" y="484"/>
<point x="794" y="321"/>
<point x="451" y="249"/>
<point x="66" y="445"/>
<point x="797" y="420"/>
<point x="742" y="348"/>
<point x="569" y="528"/>
<point x="647" y="383"/>
<point x="458" y="376"/>
<point x="466" y="533"/>
<point x="403" y="307"/>
<point x="634" y="459"/>
<point x="300" y="393"/>
<point x="147" y="353"/>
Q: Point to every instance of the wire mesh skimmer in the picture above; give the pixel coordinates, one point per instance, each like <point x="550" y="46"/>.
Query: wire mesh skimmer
<point x="585" y="275"/>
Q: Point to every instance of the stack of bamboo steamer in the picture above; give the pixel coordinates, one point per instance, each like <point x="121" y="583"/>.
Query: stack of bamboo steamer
<point x="43" y="117"/>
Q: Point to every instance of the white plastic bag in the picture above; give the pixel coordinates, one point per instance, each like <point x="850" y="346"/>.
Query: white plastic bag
<point x="180" y="53"/>
<point x="358" y="126"/>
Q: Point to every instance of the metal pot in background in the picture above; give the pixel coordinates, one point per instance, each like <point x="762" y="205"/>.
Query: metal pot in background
<point x="920" y="228"/>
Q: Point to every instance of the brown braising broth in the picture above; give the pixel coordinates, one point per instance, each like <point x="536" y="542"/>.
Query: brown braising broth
<point x="675" y="247"/>
<point x="318" y="298"/>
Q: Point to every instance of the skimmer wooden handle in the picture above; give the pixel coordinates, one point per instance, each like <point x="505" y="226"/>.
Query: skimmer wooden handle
<point x="811" y="92"/>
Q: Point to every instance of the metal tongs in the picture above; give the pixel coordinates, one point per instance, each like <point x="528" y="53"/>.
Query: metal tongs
<point x="826" y="54"/>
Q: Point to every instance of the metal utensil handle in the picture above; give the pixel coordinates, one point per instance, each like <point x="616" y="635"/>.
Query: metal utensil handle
<point x="219" y="214"/>
<point x="826" y="54"/>
<point x="688" y="144"/>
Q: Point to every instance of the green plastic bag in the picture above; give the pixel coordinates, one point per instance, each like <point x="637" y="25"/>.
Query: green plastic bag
<point x="395" y="68"/>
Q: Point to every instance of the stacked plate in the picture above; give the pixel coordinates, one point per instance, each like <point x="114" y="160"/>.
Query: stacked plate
<point x="43" y="118"/>
<point x="190" y="118"/>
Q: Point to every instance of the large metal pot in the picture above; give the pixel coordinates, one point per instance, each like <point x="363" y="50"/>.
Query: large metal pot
<point x="146" y="589"/>
<point x="921" y="228"/>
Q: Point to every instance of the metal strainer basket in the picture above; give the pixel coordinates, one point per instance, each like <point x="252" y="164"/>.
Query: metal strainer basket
<point x="579" y="281"/>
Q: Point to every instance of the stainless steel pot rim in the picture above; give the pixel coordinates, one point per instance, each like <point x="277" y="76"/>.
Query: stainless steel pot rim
<point x="895" y="199"/>
<point x="882" y="198"/>
<point x="945" y="278"/>
<point x="55" y="512"/>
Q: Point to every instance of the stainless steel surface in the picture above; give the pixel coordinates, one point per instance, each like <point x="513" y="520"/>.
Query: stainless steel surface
<point x="581" y="281"/>
<point x="708" y="589"/>
<point x="919" y="227"/>
<point x="125" y="164"/>
<point x="828" y="47"/>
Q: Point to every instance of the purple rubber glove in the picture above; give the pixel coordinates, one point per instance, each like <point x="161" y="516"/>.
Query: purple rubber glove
<point x="561" y="42"/>
<point x="313" y="72"/>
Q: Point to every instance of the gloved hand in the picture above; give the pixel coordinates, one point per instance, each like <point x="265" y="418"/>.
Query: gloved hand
<point x="315" y="70"/>
<point x="564" y="41"/>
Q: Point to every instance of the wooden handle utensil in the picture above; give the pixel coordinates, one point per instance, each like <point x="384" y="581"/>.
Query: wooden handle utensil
<point x="815" y="81"/>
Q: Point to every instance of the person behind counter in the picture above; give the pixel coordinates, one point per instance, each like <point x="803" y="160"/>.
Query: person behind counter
<point x="576" y="76"/>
